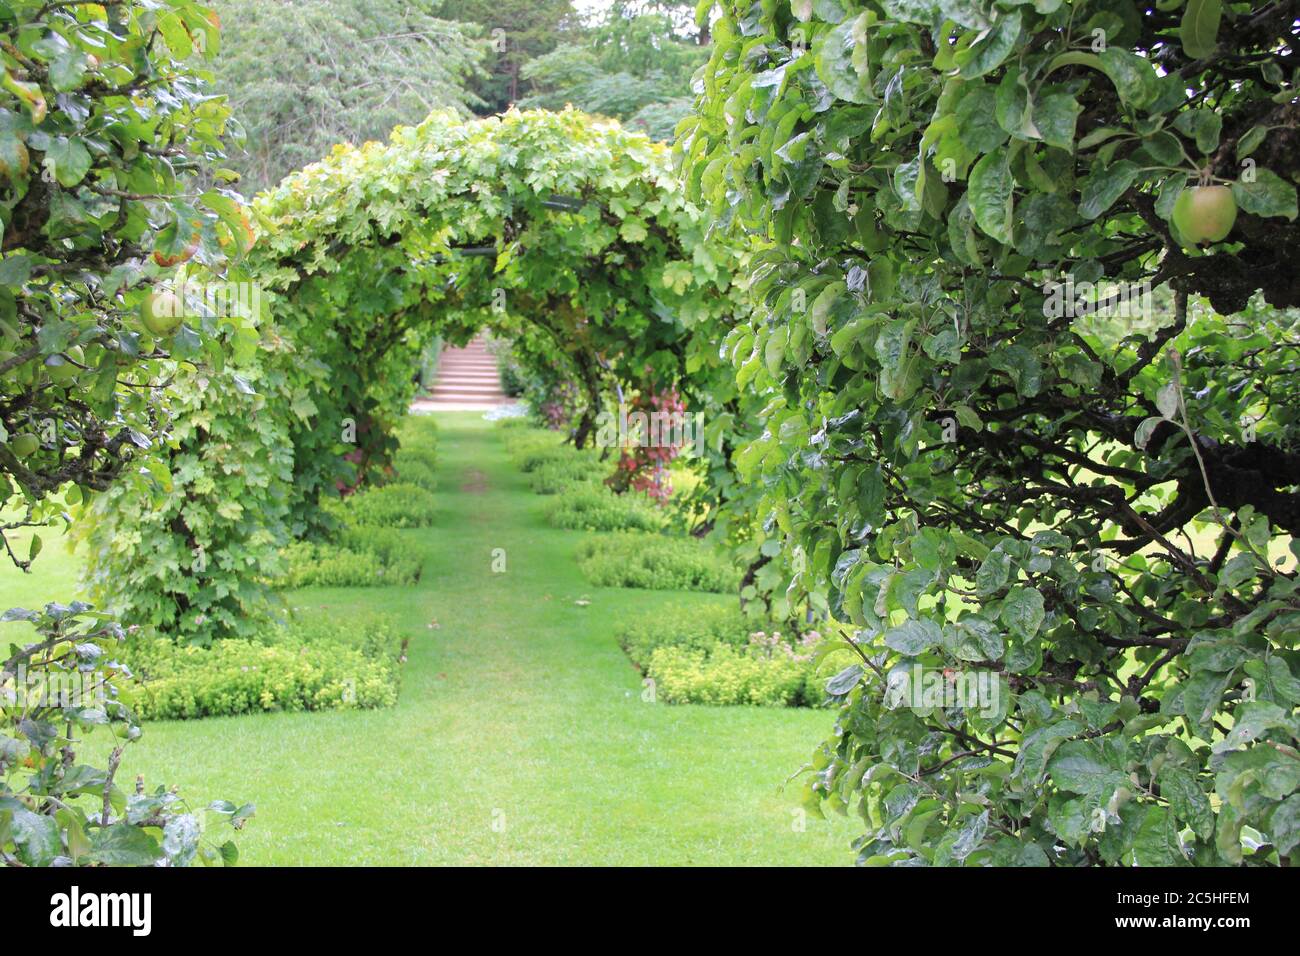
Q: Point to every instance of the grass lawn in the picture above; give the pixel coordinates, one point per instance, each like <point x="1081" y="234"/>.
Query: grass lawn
<point x="520" y="736"/>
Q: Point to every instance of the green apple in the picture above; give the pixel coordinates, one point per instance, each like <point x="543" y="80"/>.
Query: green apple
<point x="161" y="312"/>
<point x="23" y="446"/>
<point x="14" y="166"/>
<point x="1205" y="213"/>
<point x="66" y="371"/>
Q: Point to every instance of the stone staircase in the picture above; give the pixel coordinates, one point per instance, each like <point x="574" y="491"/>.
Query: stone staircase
<point x="467" y="379"/>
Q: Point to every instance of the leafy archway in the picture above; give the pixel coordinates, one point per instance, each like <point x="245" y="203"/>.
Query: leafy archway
<point x="575" y="230"/>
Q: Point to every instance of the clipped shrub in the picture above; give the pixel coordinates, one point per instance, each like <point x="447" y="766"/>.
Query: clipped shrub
<point x="324" y="564"/>
<point x="529" y="448"/>
<point x="398" y="505"/>
<point x="556" y="476"/>
<point x="725" y="674"/>
<point x="656" y="561"/>
<point x="598" y="509"/>
<point x="418" y="446"/>
<point x="716" y="654"/>
<point x="389" y="544"/>
<point x="687" y="626"/>
<point x="316" y="666"/>
<point x="414" y="471"/>
<point x="530" y="459"/>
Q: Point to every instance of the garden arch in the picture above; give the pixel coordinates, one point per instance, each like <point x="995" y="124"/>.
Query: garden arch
<point x="552" y="225"/>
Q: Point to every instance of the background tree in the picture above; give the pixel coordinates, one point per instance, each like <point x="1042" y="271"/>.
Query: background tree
<point x="987" y="450"/>
<point x="516" y="31"/>
<point x="306" y="74"/>
<point x="635" y="65"/>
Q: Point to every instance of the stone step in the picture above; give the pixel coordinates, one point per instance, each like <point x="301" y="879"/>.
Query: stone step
<point x="464" y="393"/>
<point x="489" y="384"/>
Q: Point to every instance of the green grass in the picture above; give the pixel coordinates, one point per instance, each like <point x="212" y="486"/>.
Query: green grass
<point x="520" y="704"/>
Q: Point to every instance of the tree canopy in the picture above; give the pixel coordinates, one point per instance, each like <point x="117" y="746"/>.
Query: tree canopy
<point x="633" y="65"/>
<point x="1005" y="436"/>
<point x="103" y="125"/>
<point x="305" y="75"/>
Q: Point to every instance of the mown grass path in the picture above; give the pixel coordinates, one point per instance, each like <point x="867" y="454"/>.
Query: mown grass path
<point x="520" y="736"/>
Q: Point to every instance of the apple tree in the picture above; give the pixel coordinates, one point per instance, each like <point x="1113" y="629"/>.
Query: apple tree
<point x="1028" y="340"/>
<point x="103" y="124"/>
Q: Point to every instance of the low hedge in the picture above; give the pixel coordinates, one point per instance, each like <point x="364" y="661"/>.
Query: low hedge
<point x="531" y="459"/>
<point x="596" y="508"/>
<point x="724" y="674"/>
<point x="414" y="471"/>
<point x="323" y="564"/>
<point x="318" y="666"/>
<point x="658" y="562"/>
<point x="684" y="625"/>
<point x="357" y="556"/>
<point x="397" y="505"/>
<point x="560" y="475"/>
<point x="417" y="454"/>
<point x="715" y="654"/>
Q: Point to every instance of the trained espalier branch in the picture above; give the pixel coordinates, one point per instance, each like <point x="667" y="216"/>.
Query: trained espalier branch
<point x="1030" y="355"/>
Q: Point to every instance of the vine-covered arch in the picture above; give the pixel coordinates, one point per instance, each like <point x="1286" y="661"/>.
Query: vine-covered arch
<point x="576" y="229"/>
<point x="572" y="231"/>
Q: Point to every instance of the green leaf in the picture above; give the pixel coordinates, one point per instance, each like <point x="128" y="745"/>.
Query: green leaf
<point x="68" y="160"/>
<point x="1284" y="825"/>
<point x="840" y="58"/>
<point x="229" y="853"/>
<point x="844" y="681"/>
<point x="1203" y="125"/>
<point x="124" y="845"/>
<point x="1156" y="843"/>
<point x="1021" y="366"/>
<point x="958" y="844"/>
<point x="1022" y="611"/>
<point x="1134" y="76"/>
<point x="1186" y="798"/>
<point x="67" y="70"/>
<point x="1268" y="195"/>
<point x="1038" y="748"/>
<point x="1199" y="29"/>
<point x="913" y="638"/>
<point x="1078" y="766"/>
<point x="977" y="126"/>
<point x="1104" y="185"/>
<point x="36" y="836"/>
<point x="993" y="573"/>
<point x="987" y="53"/>
<point x="1055" y="116"/>
<point x="176" y="36"/>
<point x="991" y="195"/>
